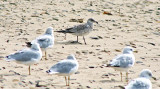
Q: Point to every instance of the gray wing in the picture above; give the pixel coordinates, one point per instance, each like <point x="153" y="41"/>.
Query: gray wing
<point x="45" y="41"/>
<point x="63" y="67"/>
<point x="78" y="28"/>
<point x="24" y="55"/>
<point x="139" y="84"/>
<point x="124" y="60"/>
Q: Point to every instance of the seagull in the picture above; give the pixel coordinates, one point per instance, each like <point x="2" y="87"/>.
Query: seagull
<point x="80" y="30"/>
<point x="65" y="68"/>
<point x="142" y="82"/>
<point x="123" y="61"/>
<point x="45" y="41"/>
<point x="28" y="56"/>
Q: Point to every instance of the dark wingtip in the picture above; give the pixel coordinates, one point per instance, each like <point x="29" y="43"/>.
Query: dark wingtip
<point x="28" y="44"/>
<point x="48" y="71"/>
<point x="108" y="65"/>
<point x="65" y="31"/>
<point x="6" y="56"/>
<point x="61" y="31"/>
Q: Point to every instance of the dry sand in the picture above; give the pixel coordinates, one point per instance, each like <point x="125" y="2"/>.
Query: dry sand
<point x="133" y="22"/>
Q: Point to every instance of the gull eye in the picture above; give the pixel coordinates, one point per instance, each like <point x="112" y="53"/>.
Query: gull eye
<point x="150" y="74"/>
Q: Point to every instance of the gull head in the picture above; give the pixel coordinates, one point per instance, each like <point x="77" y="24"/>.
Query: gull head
<point x="91" y="20"/>
<point x="35" y="46"/>
<point x="71" y="57"/>
<point x="127" y="49"/>
<point x="49" y="31"/>
<point x="146" y="73"/>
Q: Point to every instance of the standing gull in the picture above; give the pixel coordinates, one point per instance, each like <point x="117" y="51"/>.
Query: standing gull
<point x="28" y="56"/>
<point x="65" y="68"/>
<point x="142" y="82"/>
<point x="123" y="61"/>
<point x="80" y="30"/>
<point x="45" y="41"/>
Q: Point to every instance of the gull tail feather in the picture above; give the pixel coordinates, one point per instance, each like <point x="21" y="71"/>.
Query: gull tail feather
<point x="9" y="58"/>
<point x="61" y="31"/>
<point x="68" y="30"/>
<point x="109" y="65"/>
<point x="51" y="72"/>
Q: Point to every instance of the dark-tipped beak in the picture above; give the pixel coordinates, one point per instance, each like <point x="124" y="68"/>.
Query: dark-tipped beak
<point x="96" y="22"/>
<point x="154" y="78"/>
<point x="135" y="51"/>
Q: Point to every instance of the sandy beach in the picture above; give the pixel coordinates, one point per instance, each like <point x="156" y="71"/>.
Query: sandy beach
<point x="121" y="22"/>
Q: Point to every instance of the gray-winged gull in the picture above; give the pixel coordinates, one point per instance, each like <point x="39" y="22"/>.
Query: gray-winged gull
<point x="28" y="56"/>
<point x="45" y="41"/>
<point x="123" y="61"/>
<point x="65" y="68"/>
<point x="142" y="82"/>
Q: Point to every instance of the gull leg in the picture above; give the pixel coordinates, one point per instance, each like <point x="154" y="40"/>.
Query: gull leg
<point x="77" y="39"/>
<point x="65" y="36"/>
<point x="121" y="76"/>
<point x="84" y="40"/>
<point x="29" y="70"/>
<point x="66" y="80"/>
<point x="126" y="76"/>
<point x="45" y="55"/>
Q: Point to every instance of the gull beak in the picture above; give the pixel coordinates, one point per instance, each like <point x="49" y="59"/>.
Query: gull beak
<point x="96" y="22"/>
<point x="154" y="78"/>
<point x="135" y="51"/>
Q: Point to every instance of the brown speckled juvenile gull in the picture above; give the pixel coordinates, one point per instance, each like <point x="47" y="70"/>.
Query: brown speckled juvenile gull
<point x="80" y="30"/>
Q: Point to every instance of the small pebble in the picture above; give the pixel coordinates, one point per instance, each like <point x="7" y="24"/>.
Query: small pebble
<point x="91" y="66"/>
<point x="77" y="72"/>
<point x="88" y="86"/>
